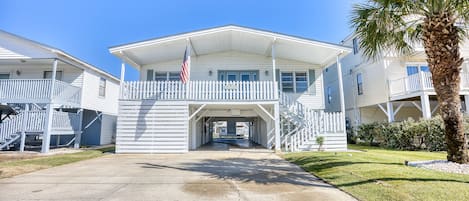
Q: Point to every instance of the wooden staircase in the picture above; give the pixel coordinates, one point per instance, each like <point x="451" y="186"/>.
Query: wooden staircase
<point x="300" y="126"/>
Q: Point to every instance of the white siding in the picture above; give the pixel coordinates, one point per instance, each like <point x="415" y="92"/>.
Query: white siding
<point x="152" y="127"/>
<point x="70" y="74"/>
<point x="91" y="99"/>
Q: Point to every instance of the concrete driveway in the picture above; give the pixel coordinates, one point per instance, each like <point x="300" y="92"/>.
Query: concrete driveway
<point x="200" y="175"/>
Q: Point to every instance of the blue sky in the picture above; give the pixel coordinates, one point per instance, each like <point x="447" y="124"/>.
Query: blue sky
<point x="87" y="28"/>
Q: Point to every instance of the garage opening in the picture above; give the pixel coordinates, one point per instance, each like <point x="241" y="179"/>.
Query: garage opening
<point x="230" y="132"/>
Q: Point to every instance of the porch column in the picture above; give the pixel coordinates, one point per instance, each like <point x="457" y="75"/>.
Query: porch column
<point x="49" y="112"/>
<point x="273" y="60"/>
<point x="23" y="131"/>
<point x="390" y="110"/>
<point x="341" y="92"/>
<point x="76" y="145"/>
<point x="426" y="111"/>
<point x="122" y="78"/>
<point x="466" y="103"/>
<point x="277" y="126"/>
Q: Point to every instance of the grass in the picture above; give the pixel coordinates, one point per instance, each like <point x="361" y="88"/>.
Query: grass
<point x="380" y="174"/>
<point x="11" y="168"/>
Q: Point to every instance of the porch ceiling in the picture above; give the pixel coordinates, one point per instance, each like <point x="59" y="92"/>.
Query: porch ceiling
<point x="228" y="38"/>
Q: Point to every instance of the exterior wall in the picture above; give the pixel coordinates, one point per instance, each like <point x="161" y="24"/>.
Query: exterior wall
<point x="108" y="129"/>
<point x="201" y="65"/>
<point x="92" y="135"/>
<point x="90" y="94"/>
<point x="152" y="127"/>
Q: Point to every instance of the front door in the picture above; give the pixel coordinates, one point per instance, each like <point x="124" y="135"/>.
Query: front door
<point x="238" y="76"/>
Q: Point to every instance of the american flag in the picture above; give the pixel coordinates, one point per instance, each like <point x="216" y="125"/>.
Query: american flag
<point x="185" y="71"/>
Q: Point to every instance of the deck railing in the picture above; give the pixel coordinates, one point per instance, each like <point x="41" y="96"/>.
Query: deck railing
<point x="38" y="90"/>
<point x="200" y="90"/>
<point x="61" y="121"/>
<point x="419" y="82"/>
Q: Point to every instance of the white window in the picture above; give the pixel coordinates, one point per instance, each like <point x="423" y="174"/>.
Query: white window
<point x="359" y="84"/>
<point x="164" y="76"/>
<point x="4" y="76"/>
<point x="329" y="95"/>
<point x="296" y="82"/>
<point x="48" y="75"/>
<point x="355" y="45"/>
<point x="416" y="68"/>
<point x="102" y="87"/>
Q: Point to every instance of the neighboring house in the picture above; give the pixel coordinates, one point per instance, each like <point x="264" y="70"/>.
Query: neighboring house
<point x="271" y="80"/>
<point x="59" y="99"/>
<point x="392" y="88"/>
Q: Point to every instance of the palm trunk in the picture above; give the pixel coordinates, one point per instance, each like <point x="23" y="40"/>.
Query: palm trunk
<point x="441" y="43"/>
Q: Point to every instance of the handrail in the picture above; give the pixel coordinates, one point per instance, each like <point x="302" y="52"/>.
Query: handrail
<point x="421" y="81"/>
<point x="200" y="90"/>
<point x="32" y="90"/>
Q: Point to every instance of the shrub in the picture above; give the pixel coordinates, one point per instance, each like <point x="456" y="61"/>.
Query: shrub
<point x="407" y="135"/>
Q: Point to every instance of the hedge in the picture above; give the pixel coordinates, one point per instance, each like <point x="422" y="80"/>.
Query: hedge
<point x="406" y="135"/>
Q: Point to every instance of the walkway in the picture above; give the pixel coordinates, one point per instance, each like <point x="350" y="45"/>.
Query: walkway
<point x="198" y="175"/>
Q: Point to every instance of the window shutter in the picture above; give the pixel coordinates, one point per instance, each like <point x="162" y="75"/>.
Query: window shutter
<point x="312" y="81"/>
<point x="150" y="74"/>
<point x="277" y="77"/>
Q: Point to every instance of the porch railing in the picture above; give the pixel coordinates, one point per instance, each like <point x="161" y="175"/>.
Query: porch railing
<point x="200" y="90"/>
<point x="38" y="90"/>
<point x="61" y="121"/>
<point x="419" y="82"/>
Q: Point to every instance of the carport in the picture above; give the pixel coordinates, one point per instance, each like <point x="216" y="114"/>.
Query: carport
<point x="243" y="123"/>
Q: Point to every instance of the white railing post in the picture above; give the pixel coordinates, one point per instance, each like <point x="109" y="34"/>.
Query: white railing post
<point x="24" y="127"/>
<point x="48" y="127"/>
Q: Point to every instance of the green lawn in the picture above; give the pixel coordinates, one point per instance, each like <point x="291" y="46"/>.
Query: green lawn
<point x="380" y="174"/>
<point x="15" y="167"/>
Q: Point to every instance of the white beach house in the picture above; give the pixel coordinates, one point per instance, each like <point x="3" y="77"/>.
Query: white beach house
<point x="272" y="82"/>
<point x="393" y="88"/>
<point x="59" y="99"/>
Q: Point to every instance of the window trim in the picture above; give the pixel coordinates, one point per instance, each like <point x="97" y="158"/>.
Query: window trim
<point x="56" y="73"/>
<point x="355" y="46"/>
<point x="104" y="87"/>
<point x="294" y="80"/>
<point x="6" y="73"/>
<point x="360" y="84"/>
<point x="168" y="73"/>
<point x="419" y="66"/>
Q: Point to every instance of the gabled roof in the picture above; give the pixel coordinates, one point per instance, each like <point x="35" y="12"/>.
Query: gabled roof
<point x="16" y="47"/>
<point x="228" y="38"/>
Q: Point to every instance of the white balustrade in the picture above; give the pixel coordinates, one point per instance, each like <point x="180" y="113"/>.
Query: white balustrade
<point x="36" y="123"/>
<point x="419" y="82"/>
<point x="38" y="90"/>
<point x="200" y="90"/>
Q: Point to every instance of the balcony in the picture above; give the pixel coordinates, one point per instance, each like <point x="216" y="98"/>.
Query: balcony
<point x="416" y="84"/>
<point x="39" y="91"/>
<point x="200" y="90"/>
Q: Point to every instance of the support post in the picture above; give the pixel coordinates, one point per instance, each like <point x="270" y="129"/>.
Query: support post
<point x="466" y="103"/>
<point x="273" y="61"/>
<point x="277" y="126"/>
<point x="426" y="111"/>
<point x="341" y="93"/>
<point x="49" y="113"/>
<point x="194" y="133"/>
<point x="390" y="109"/>
<point x="122" y="79"/>
<point x="77" y="143"/>
<point x="24" y="126"/>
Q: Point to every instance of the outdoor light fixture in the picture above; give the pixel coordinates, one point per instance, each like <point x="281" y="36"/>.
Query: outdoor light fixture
<point x="210" y="72"/>
<point x="18" y="72"/>
<point x="266" y="72"/>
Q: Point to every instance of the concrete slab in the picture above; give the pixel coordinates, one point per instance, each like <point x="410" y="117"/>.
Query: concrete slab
<point x="198" y="175"/>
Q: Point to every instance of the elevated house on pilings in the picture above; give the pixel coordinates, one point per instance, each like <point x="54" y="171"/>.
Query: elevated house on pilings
<point x="391" y="88"/>
<point x="59" y="99"/>
<point x="272" y="82"/>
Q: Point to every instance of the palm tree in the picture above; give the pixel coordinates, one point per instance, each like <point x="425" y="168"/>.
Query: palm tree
<point x="396" y="26"/>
